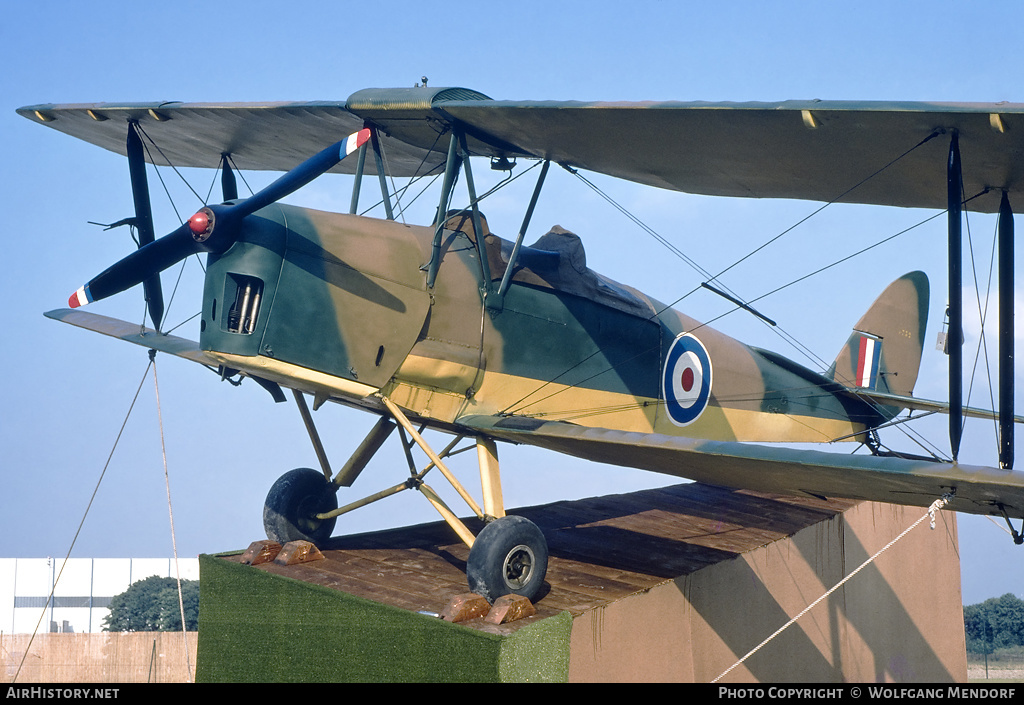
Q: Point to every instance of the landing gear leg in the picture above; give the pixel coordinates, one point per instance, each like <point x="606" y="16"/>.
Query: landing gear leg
<point x="510" y="554"/>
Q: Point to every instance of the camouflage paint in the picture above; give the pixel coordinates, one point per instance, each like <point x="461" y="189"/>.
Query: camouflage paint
<point x="344" y="298"/>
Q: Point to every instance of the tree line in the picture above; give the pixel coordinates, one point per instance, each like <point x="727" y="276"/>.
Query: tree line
<point x="996" y="623"/>
<point x="151" y="605"/>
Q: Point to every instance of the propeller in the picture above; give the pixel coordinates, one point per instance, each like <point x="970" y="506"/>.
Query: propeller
<point x="211" y="229"/>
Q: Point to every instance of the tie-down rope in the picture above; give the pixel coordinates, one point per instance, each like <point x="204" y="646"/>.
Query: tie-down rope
<point x="170" y="513"/>
<point x="930" y="514"/>
<point x="81" y="524"/>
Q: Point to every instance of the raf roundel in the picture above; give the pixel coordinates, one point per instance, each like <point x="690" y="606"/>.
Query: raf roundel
<point x="686" y="380"/>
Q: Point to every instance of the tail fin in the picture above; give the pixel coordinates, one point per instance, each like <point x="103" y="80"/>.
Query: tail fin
<point x="883" y="353"/>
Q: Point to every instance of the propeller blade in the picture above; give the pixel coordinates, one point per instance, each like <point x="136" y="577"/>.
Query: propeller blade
<point x="211" y="229"/>
<point x="137" y="267"/>
<point x="302" y="174"/>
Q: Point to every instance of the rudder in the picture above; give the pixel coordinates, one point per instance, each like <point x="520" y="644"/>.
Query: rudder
<point x="884" y="351"/>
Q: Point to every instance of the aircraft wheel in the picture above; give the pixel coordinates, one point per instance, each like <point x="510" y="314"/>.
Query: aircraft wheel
<point x="510" y="556"/>
<point x="292" y="503"/>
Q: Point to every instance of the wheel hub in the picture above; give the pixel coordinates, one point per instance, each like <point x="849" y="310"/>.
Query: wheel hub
<point x="308" y="509"/>
<point x="518" y="566"/>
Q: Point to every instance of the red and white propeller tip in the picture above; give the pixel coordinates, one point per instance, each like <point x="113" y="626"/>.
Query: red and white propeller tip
<point x="356" y="140"/>
<point x="196" y="235"/>
<point x="80" y="297"/>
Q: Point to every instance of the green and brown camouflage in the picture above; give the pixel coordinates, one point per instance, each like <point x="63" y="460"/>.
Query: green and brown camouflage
<point x="347" y="297"/>
<point x="407" y="320"/>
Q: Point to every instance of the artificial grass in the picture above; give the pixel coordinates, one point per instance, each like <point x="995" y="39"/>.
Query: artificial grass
<point x="259" y="627"/>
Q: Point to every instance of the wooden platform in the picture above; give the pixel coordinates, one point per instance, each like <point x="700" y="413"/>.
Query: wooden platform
<point x="602" y="549"/>
<point x="676" y="583"/>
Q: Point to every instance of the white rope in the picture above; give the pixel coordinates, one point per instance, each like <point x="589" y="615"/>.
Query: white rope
<point x="81" y="523"/>
<point x="170" y="512"/>
<point x="930" y="514"/>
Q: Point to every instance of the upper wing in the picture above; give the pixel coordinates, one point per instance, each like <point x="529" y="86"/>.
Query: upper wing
<point x="258" y="136"/>
<point x="858" y="152"/>
<point x="978" y="490"/>
<point x="815" y="150"/>
<point x="272" y="136"/>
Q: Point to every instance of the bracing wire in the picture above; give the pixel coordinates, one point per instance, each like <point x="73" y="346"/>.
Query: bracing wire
<point x="170" y="199"/>
<point x="213" y="181"/>
<point x="715" y="277"/>
<point x="782" y="333"/>
<point x="399" y="192"/>
<point x="170" y="513"/>
<point x="171" y="165"/>
<point x="706" y="323"/>
<point x="81" y="523"/>
<point x="241" y="174"/>
<point x="834" y="200"/>
<point x="982" y="351"/>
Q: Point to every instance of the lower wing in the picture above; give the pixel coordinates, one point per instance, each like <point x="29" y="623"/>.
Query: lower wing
<point x="974" y="489"/>
<point x="154" y="340"/>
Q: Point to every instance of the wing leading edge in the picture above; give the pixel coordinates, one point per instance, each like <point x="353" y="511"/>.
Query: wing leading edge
<point x="273" y="136"/>
<point x="257" y="136"/>
<point x="881" y="153"/>
<point x="978" y="489"/>
<point x="133" y="333"/>
<point x="812" y="150"/>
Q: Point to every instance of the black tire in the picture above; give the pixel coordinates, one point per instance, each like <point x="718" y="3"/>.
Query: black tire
<point x="291" y="504"/>
<point x="510" y="556"/>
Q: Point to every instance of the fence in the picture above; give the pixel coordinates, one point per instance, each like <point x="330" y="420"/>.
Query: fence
<point x="120" y="657"/>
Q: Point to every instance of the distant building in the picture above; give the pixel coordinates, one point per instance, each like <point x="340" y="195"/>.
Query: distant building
<point x="83" y="592"/>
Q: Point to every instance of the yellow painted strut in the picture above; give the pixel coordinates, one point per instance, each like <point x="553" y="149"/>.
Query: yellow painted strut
<point x="487" y="457"/>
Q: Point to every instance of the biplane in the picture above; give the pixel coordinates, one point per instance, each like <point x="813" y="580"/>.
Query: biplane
<point x="446" y="326"/>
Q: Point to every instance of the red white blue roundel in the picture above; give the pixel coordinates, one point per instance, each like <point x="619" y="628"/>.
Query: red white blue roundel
<point x="686" y="380"/>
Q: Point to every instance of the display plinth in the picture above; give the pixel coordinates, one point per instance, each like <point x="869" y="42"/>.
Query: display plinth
<point x="674" y="584"/>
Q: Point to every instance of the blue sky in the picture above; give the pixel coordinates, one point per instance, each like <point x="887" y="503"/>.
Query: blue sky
<point x="68" y="390"/>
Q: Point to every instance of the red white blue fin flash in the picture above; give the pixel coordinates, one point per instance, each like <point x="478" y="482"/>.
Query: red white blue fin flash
<point x="869" y="354"/>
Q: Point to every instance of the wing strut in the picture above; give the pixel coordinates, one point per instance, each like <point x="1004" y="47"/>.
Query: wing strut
<point x="381" y="174"/>
<point x="522" y="230"/>
<point x="144" y="219"/>
<point x="228" y="184"/>
<point x="954" y="179"/>
<point x="481" y="245"/>
<point x="451" y="168"/>
<point x="1005" y="333"/>
<point x="955" y="340"/>
<point x="358" y="181"/>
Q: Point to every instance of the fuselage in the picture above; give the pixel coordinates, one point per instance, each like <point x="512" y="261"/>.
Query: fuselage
<point x="338" y="305"/>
